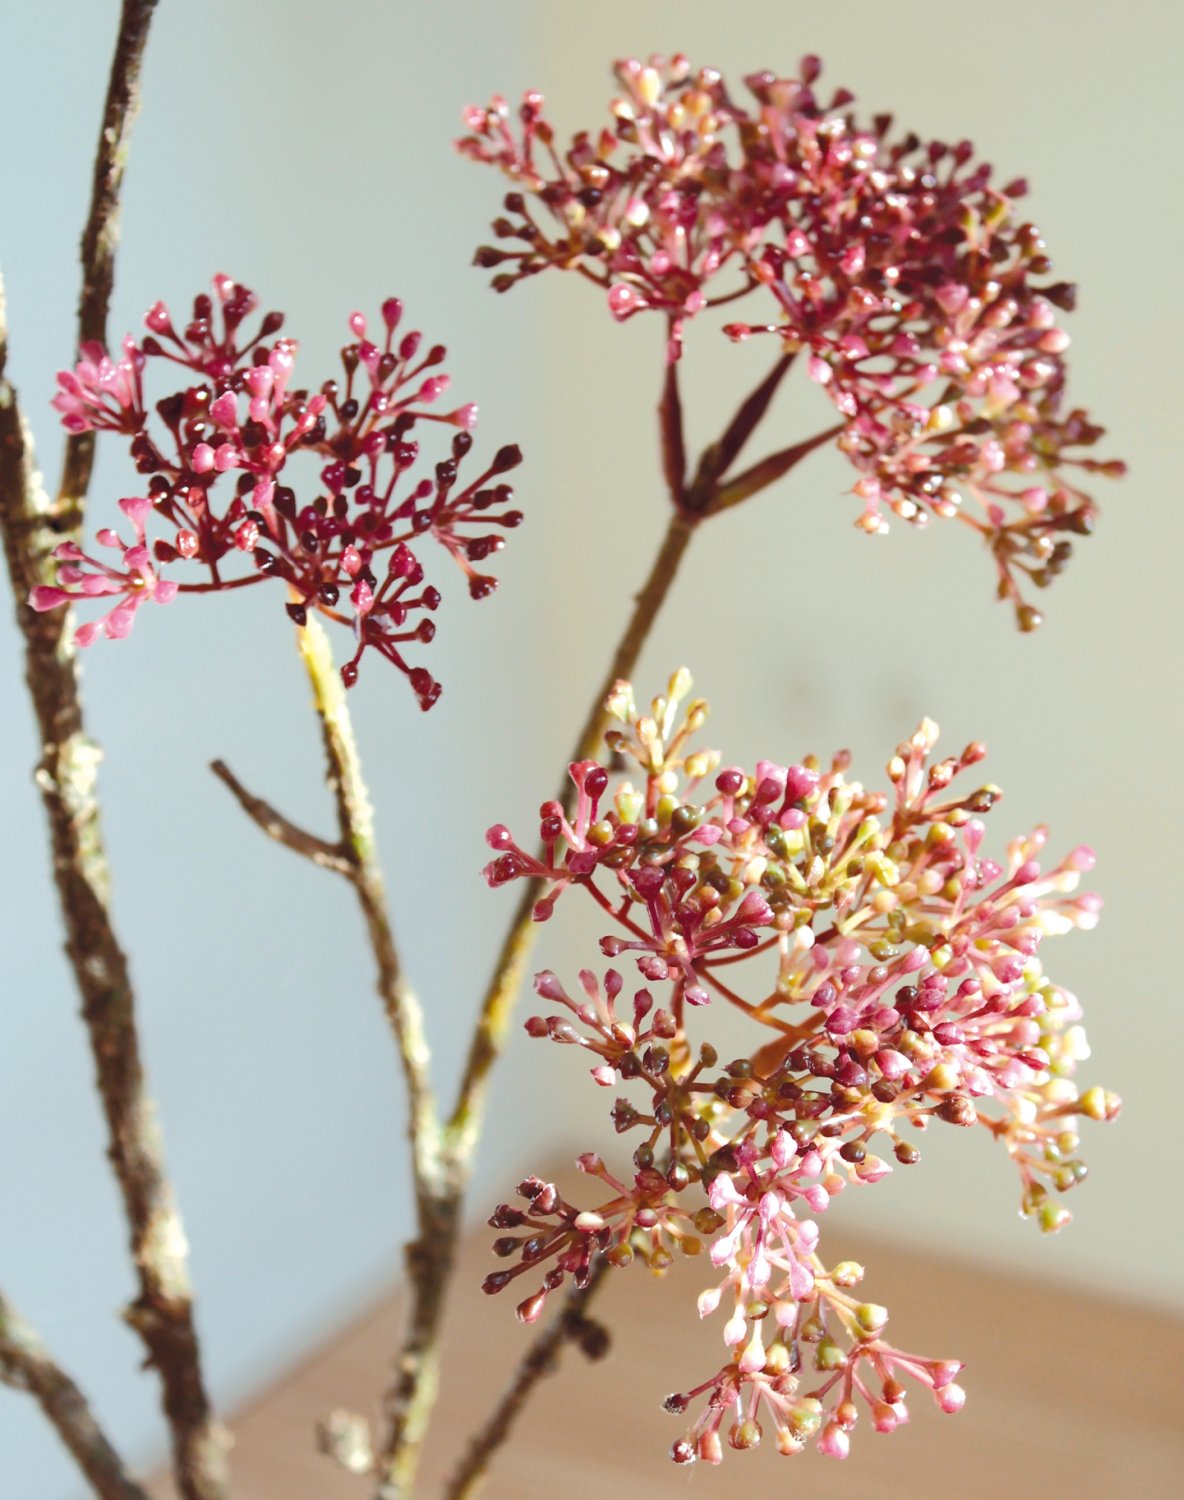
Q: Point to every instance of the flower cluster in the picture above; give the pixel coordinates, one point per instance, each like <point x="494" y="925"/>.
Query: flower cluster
<point x="220" y="488"/>
<point x="919" y="299"/>
<point x="892" y="972"/>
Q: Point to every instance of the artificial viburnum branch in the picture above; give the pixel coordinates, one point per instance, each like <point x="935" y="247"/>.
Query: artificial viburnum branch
<point x="26" y="1365"/>
<point x="32" y="524"/>
<point x="896" y="982"/>
<point x="916" y="299"/>
<point x="311" y="847"/>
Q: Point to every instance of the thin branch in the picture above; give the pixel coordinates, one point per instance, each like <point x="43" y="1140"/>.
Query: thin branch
<point x="720" y="457"/>
<point x="26" y="1365"/>
<point x="670" y="427"/>
<point x="32" y="525"/>
<point x="493" y="1020"/>
<point x="283" y="830"/>
<point x="430" y="1255"/>
<point x="569" y="1325"/>
<point x="768" y="471"/>
<point x="100" y="236"/>
<point x="355" y="820"/>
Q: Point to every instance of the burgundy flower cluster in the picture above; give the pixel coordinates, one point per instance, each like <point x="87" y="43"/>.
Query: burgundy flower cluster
<point x="221" y="494"/>
<point x="921" y="301"/>
<point x="892" y="970"/>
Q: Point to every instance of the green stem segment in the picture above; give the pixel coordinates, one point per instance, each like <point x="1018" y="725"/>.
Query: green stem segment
<point x="26" y="1365"/>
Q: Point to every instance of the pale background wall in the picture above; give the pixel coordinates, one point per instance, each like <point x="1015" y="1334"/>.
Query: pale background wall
<point x="310" y="160"/>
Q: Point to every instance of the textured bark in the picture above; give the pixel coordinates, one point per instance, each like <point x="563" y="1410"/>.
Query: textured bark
<point x="32" y="525"/>
<point x="26" y="1365"/>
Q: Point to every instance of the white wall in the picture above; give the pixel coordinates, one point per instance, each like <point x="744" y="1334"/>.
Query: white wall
<point x="312" y="163"/>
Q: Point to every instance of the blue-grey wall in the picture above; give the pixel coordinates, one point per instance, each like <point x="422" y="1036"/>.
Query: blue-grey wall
<point x="303" y="148"/>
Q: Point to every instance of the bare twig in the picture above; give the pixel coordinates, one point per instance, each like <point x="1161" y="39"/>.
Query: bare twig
<point x="430" y="1255"/>
<point x="283" y="830"/>
<point x="100" y="235"/>
<point x="569" y="1325"/>
<point x="494" y="1016"/>
<point x="26" y="1365"/>
<point x="355" y="819"/>
<point x="32" y="525"/>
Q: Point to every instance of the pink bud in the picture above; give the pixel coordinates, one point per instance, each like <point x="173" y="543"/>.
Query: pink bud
<point x="834" y="1442"/>
<point x="709" y="1301"/>
<point x="892" y="1064"/>
<point x="225" y="410"/>
<point x="119" y="622"/>
<point x="623" y="301"/>
<point x="432" y="388"/>
<point x="546" y="983"/>
<point x="44" y="597"/>
<point x="818" y="370"/>
<point x="157" y="318"/>
<point x="950" y="1398"/>
<point x="464" y="417"/>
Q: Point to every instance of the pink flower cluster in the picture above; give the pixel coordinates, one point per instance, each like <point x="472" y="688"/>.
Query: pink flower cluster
<point x="222" y="494"/>
<point x="892" y="972"/>
<point x="921" y="302"/>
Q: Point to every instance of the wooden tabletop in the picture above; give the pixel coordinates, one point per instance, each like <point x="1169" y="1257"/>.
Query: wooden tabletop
<point x="1070" y="1396"/>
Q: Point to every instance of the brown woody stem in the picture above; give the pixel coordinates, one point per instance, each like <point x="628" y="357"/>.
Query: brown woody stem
<point x="569" y="1325"/>
<point x="429" y="1256"/>
<point x="32" y="525"/>
<point x="100" y="235"/>
<point x="355" y="822"/>
<point x="66" y="774"/>
<point x="26" y="1365"/>
<point x="282" y="830"/>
